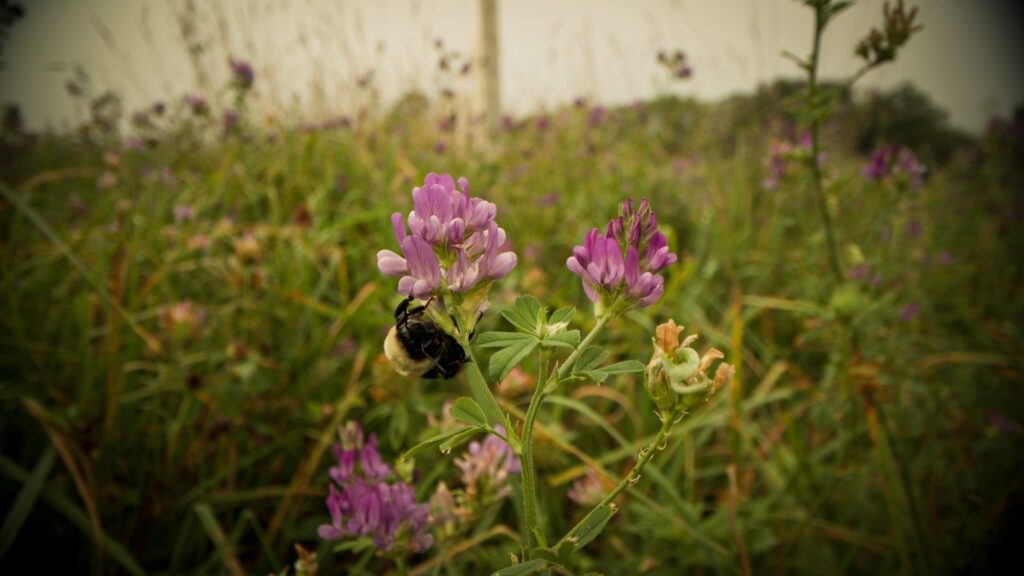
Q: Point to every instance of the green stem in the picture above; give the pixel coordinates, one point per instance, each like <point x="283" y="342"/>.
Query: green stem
<point x="528" y="472"/>
<point x="480" y="390"/>
<point x="667" y="420"/>
<point x="566" y="366"/>
<point x="812" y="93"/>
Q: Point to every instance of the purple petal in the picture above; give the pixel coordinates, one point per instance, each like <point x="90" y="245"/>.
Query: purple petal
<point x="502" y="265"/>
<point x="391" y="264"/>
<point x="655" y="292"/>
<point x="399" y="227"/>
<point x="616" y="268"/>
<point x="422" y="261"/>
<point x="591" y="293"/>
<point x="632" y="268"/>
<point x="328" y="532"/>
<point x="405" y="285"/>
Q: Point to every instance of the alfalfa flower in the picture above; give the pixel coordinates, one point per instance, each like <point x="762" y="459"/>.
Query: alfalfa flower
<point x="784" y="156"/>
<point x="622" y="265"/>
<point x="451" y="246"/>
<point x="677" y="376"/>
<point x="242" y="75"/>
<point x="895" y="163"/>
<point x="588" y="489"/>
<point x="371" y="500"/>
<point x="486" y="467"/>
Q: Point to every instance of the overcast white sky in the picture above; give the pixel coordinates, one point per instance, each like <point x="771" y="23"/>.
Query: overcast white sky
<point x="969" y="58"/>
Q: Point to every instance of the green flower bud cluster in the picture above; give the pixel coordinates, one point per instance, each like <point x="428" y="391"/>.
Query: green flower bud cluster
<point x="677" y="376"/>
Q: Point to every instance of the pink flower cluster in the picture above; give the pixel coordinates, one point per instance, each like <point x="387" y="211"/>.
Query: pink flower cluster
<point x="898" y="162"/>
<point x="453" y="241"/>
<point x="367" y="504"/>
<point x="626" y="259"/>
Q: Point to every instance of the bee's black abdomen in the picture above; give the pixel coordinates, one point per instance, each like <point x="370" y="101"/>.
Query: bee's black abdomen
<point x="423" y="339"/>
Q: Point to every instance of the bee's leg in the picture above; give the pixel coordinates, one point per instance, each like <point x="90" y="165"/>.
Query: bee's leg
<point x="403" y="311"/>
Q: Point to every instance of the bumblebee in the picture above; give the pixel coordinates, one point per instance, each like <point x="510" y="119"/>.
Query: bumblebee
<point x="415" y="346"/>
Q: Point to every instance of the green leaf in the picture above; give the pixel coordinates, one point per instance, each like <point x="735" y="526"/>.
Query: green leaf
<point x="589" y="359"/>
<point x="624" y="367"/>
<point x="505" y="359"/>
<point x="539" y="537"/>
<point x="547" y="554"/>
<point x="569" y="339"/>
<point x="591" y="526"/>
<point x="398" y="425"/>
<point x="562" y="315"/>
<point x="466" y="410"/>
<point x="524" y="314"/>
<point x="356" y="545"/>
<point x="438" y="439"/>
<point x="599" y="375"/>
<point x="74" y="514"/>
<point x="459" y="438"/>
<point x="529" y="307"/>
<point x="528" y="567"/>
<point x="513" y="438"/>
<point x="26" y="500"/>
<point x="502" y="339"/>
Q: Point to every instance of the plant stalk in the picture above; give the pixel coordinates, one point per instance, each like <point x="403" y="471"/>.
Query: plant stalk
<point x="480" y="390"/>
<point x="667" y="420"/>
<point x="812" y="94"/>
<point x="566" y="366"/>
<point x="529" y="475"/>
<point x="528" y="472"/>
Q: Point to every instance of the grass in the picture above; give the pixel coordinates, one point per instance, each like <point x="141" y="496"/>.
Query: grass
<point x="170" y="386"/>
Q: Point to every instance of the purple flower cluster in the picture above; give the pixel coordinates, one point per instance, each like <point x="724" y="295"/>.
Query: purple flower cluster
<point x="626" y="259"/>
<point x="490" y="461"/>
<point x="242" y="74"/>
<point x="453" y="242"/>
<point x="898" y="162"/>
<point x="780" y="156"/>
<point x="197" y="104"/>
<point x="367" y="504"/>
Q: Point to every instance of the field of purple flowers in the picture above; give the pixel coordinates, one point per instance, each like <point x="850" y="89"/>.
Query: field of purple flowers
<point x="370" y="346"/>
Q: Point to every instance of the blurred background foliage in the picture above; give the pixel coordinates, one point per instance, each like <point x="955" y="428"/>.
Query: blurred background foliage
<point x="191" y="305"/>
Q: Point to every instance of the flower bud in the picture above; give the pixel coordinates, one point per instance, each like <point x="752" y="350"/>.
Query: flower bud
<point x="676" y="377"/>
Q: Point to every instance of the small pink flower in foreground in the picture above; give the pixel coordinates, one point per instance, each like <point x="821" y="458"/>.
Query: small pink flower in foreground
<point x="486" y="466"/>
<point x="367" y="504"/>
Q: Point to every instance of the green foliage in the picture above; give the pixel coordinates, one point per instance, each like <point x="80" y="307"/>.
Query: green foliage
<point x="191" y="371"/>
